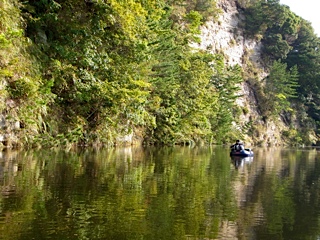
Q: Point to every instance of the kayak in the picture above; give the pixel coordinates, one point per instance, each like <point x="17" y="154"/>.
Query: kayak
<point x="242" y="153"/>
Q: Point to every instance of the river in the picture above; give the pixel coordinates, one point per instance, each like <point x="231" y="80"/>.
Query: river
<point x="160" y="193"/>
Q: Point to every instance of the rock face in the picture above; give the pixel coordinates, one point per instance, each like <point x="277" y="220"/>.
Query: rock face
<point x="9" y="127"/>
<point x="226" y="36"/>
<point x="9" y="132"/>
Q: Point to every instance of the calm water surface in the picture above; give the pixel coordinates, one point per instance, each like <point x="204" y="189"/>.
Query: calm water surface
<point x="164" y="193"/>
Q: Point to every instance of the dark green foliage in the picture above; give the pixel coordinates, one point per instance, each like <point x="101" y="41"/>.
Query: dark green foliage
<point x="94" y="63"/>
<point x="276" y="46"/>
<point x="306" y="56"/>
<point x="280" y="87"/>
<point x="275" y="23"/>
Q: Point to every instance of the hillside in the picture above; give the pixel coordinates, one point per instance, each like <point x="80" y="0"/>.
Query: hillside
<point x="156" y="72"/>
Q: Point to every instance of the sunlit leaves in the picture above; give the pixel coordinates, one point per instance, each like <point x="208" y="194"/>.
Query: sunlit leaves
<point x="131" y="17"/>
<point x="226" y="81"/>
<point x="194" y="19"/>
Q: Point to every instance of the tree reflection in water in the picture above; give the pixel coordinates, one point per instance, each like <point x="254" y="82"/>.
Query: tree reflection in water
<point x="165" y="193"/>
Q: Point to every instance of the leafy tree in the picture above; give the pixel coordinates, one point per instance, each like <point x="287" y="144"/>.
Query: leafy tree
<point x="262" y="15"/>
<point x="280" y="87"/>
<point x="275" y="23"/>
<point x="226" y="81"/>
<point x="180" y="80"/>
<point x="94" y="62"/>
<point x="306" y="56"/>
<point x="197" y="96"/>
<point x="275" y="46"/>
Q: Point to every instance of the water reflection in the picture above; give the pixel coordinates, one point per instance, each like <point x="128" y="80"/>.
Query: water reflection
<point x="239" y="161"/>
<point x="166" y="193"/>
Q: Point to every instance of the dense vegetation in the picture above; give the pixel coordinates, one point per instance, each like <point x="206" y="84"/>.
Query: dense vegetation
<point x="89" y="71"/>
<point x="291" y="48"/>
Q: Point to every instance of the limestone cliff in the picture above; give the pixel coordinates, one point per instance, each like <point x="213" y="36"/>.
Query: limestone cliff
<point x="226" y="35"/>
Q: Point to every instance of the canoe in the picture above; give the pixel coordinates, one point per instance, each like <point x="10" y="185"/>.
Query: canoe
<point x="242" y="153"/>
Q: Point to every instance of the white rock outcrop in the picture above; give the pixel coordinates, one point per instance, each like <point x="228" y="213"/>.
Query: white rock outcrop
<point x="226" y="36"/>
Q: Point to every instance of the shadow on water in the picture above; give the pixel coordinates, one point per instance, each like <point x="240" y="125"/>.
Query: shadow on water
<point x="160" y="193"/>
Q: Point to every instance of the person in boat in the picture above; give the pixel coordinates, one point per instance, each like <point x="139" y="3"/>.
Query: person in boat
<point x="238" y="146"/>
